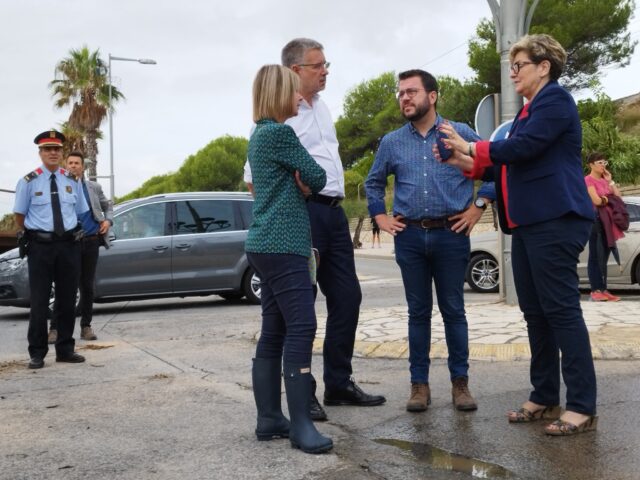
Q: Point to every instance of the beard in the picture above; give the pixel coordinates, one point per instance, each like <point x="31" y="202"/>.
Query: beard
<point x="421" y="110"/>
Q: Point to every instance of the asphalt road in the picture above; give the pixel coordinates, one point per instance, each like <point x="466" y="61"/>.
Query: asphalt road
<point x="166" y="394"/>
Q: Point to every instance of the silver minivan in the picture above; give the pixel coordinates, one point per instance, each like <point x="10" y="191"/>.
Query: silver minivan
<point x="167" y="245"/>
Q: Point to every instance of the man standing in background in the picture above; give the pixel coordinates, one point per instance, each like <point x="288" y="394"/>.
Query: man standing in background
<point x="95" y="222"/>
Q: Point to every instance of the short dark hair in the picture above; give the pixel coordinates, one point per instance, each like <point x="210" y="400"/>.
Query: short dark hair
<point x="429" y="82"/>
<point x="595" y="156"/>
<point x="75" y="153"/>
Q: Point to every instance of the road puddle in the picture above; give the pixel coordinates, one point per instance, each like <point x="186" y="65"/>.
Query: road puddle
<point x="443" y="460"/>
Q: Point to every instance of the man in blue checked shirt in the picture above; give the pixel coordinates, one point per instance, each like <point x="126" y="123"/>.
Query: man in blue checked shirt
<point x="48" y="202"/>
<point x="433" y="214"/>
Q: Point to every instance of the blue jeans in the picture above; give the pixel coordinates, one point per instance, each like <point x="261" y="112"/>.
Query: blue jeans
<point x="545" y="257"/>
<point x="441" y="256"/>
<point x="288" y="315"/>
<point x="598" y="258"/>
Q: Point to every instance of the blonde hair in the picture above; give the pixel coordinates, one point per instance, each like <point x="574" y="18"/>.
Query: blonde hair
<point x="273" y="90"/>
<point x="542" y="47"/>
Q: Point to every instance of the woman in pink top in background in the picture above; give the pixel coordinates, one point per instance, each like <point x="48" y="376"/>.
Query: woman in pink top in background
<point x="599" y="185"/>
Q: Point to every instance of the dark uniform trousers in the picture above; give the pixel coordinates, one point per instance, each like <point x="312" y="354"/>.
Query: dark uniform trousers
<point x="56" y="261"/>
<point x="339" y="283"/>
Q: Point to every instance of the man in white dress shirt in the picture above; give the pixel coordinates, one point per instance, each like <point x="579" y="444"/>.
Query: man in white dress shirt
<point x="329" y="229"/>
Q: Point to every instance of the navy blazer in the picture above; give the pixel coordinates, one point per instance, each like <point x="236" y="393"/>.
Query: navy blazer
<point x="543" y="159"/>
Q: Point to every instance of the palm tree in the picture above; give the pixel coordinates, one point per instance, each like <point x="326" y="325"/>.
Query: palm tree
<point x="82" y="82"/>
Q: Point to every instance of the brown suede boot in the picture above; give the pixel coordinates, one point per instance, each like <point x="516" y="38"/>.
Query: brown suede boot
<point x="461" y="395"/>
<point x="420" y="397"/>
<point x="87" y="334"/>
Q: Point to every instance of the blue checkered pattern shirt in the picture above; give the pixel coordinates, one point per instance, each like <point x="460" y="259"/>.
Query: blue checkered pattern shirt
<point x="424" y="187"/>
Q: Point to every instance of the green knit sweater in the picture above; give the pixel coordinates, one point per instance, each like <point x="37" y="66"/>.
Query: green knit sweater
<point x="280" y="218"/>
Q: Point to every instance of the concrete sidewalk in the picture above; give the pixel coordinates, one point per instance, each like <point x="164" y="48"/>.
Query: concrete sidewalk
<point x="496" y="331"/>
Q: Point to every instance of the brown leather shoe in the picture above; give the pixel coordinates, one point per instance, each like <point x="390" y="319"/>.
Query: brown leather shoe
<point x="53" y="336"/>
<point x="87" y="334"/>
<point x="420" y="397"/>
<point x="461" y="395"/>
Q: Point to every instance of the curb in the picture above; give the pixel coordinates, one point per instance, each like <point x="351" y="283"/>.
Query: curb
<point x="510" y="352"/>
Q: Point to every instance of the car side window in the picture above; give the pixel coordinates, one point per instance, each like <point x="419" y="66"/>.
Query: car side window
<point x="634" y="212"/>
<point x="142" y="222"/>
<point x="246" y="211"/>
<point x="204" y="216"/>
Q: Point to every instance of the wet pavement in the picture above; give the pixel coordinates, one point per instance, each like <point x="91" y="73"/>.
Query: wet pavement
<point x="166" y="393"/>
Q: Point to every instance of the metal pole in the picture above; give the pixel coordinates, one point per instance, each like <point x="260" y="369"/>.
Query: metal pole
<point x="144" y="61"/>
<point x="512" y="22"/>
<point x="112" y="186"/>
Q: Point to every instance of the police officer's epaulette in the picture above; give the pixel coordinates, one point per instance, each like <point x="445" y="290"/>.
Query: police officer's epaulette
<point x="68" y="174"/>
<point x="31" y="175"/>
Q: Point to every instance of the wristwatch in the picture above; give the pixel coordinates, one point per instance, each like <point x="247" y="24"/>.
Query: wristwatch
<point x="480" y="203"/>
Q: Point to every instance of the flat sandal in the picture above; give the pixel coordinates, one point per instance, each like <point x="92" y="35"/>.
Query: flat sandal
<point x="566" y="428"/>
<point x="524" y="415"/>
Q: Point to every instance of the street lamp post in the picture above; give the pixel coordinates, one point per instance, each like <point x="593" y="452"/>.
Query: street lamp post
<point x="144" y="61"/>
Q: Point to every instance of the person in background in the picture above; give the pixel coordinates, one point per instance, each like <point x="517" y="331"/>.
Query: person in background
<point x="375" y="233"/>
<point x="543" y="203"/>
<point x="278" y="247"/>
<point x="95" y="224"/>
<point x="600" y="184"/>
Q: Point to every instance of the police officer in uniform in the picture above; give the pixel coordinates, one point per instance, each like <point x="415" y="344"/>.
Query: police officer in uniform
<point x="48" y="202"/>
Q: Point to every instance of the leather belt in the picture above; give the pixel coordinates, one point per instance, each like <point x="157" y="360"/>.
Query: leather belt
<point x="333" y="202"/>
<point x="95" y="236"/>
<point x="49" y="237"/>
<point x="429" y="223"/>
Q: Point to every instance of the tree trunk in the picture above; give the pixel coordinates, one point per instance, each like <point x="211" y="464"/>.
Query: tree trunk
<point x="356" y="235"/>
<point x="90" y="162"/>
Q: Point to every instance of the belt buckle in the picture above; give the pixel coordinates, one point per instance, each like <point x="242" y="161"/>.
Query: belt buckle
<point x="424" y="223"/>
<point x="335" y="203"/>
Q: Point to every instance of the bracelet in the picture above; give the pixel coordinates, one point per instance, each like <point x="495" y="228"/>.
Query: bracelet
<point x="470" y="150"/>
<point x="612" y="183"/>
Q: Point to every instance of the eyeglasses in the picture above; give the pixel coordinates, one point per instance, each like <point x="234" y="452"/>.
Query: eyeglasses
<point x="604" y="163"/>
<point x="516" y="67"/>
<point x="409" y="92"/>
<point x="316" y="66"/>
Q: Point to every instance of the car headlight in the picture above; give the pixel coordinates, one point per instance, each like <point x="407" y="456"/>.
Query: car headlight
<point x="12" y="264"/>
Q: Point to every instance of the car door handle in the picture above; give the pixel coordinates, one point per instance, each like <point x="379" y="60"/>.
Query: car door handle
<point x="183" y="246"/>
<point x="160" y="248"/>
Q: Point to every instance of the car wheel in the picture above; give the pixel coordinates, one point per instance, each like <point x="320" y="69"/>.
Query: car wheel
<point x="251" y="286"/>
<point x="483" y="274"/>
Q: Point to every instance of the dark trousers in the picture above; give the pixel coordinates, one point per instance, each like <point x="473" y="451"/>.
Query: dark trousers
<point x="339" y="283"/>
<point x="288" y="314"/>
<point x="598" y="258"/>
<point x="57" y="262"/>
<point x="89" y="251"/>
<point x="437" y="256"/>
<point x="545" y="259"/>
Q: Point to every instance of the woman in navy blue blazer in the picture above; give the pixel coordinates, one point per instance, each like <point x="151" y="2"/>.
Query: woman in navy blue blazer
<point x="543" y="203"/>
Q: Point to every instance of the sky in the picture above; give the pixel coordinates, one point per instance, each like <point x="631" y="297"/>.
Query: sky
<point x="207" y="54"/>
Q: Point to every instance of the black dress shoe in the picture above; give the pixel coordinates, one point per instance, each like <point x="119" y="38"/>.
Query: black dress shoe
<point x="73" y="358"/>
<point x="316" y="411"/>
<point x="352" y="394"/>
<point x="36" y="362"/>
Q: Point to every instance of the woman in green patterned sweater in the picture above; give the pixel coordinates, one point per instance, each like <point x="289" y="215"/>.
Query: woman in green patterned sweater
<point x="278" y="247"/>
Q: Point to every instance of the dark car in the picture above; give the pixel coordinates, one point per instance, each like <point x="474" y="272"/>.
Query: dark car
<point x="169" y="245"/>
